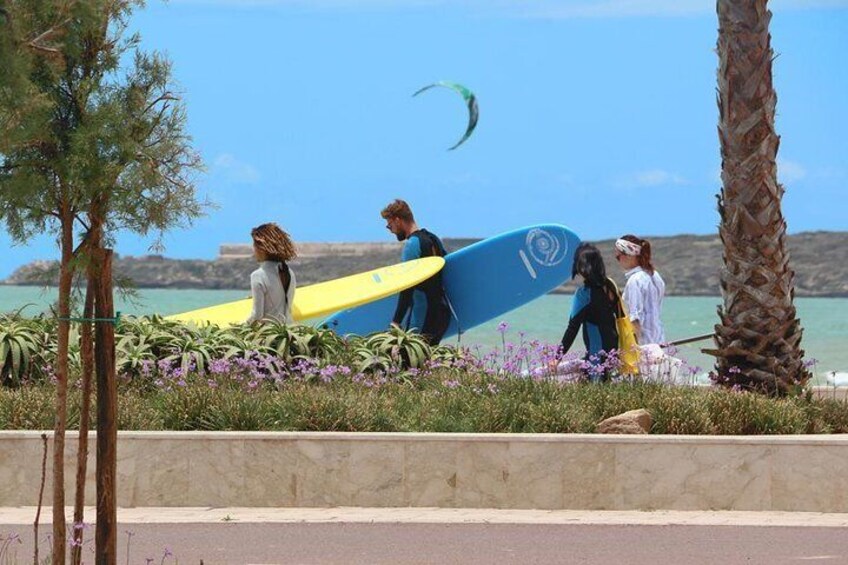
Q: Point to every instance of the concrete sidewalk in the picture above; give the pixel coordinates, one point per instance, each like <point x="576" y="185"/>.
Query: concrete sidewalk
<point x="349" y="515"/>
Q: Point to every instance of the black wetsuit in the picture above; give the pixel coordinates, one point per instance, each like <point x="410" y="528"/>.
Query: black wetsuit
<point x="593" y="309"/>
<point x="424" y="306"/>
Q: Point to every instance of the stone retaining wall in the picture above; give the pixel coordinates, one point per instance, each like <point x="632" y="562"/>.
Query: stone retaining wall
<point x="544" y="471"/>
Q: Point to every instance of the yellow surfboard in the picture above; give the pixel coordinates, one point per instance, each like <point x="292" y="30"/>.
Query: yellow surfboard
<point x="327" y="297"/>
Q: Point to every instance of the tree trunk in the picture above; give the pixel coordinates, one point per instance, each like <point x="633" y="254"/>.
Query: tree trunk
<point x="61" y="406"/>
<point x="87" y="353"/>
<point x="107" y="401"/>
<point x="758" y="337"/>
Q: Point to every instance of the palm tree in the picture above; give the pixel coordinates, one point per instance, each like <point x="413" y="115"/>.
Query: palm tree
<point x="759" y="335"/>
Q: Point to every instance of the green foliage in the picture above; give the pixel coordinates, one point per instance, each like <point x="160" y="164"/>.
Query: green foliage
<point x="314" y="343"/>
<point x="27" y="408"/>
<point x="89" y="123"/>
<point x="403" y="349"/>
<point x="20" y="341"/>
<point x="278" y="377"/>
<point x="442" y="401"/>
<point x="274" y="338"/>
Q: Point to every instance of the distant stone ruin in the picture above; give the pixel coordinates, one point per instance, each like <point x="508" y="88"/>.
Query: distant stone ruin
<point x="314" y="249"/>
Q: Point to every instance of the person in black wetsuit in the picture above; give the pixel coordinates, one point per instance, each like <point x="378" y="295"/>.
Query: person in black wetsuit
<point x="593" y="307"/>
<point x="423" y="307"/>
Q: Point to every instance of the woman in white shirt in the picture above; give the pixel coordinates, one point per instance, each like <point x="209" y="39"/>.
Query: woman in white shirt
<point x="645" y="288"/>
<point x="272" y="285"/>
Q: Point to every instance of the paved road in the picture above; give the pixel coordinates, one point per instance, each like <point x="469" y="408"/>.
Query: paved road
<point x="473" y="543"/>
<point x="652" y="539"/>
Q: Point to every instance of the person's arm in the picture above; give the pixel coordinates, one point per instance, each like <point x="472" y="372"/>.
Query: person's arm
<point x="257" y="291"/>
<point x="637" y="330"/>
<point x="412" y="250"/>
<point x="578" y="316"/>
<point x="634" y="300"/>
<point x="290" y="297"/>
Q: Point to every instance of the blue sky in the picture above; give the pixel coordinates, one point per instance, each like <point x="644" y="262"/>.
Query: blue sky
<point x="600" y="115"/>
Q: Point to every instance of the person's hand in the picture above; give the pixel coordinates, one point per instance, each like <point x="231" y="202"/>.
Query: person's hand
<point x="553" y="366"/>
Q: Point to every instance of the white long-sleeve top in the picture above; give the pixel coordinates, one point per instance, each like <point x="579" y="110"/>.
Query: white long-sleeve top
<point x="643" y="295"/>
<point x="270" y="300"/>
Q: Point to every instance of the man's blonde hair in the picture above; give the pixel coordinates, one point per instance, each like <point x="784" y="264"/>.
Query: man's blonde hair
<point x="398" y="209"/>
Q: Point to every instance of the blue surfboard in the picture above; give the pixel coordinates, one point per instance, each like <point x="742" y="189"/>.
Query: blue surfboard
<point x="484" y="280"/>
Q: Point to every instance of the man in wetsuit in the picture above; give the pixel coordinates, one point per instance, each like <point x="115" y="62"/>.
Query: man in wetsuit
<point x="424" y="306"/>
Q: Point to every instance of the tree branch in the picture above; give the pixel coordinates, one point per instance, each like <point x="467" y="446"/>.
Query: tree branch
<point x="34" y="43"/>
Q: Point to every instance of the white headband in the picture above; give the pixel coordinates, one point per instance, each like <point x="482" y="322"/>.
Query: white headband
<point x="628" y="247"/>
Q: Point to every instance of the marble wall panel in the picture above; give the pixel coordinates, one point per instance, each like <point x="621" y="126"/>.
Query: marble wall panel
<point x="482" y="474"/>
<point x="686" y="476"/>
<point x="216" y="473"/>
<point x="535" y="475"/>
<point x="429" y="476"/>
<point x="20" y="471"/>
<point x="270" y="469"/>
<point x="155" y="472"/>
<point x="787" y="473"/>
<point x="810" y="478"/>
<point x="588" y="476"/>
<point x="322" y="473"/>
<point x="375" y="473"/>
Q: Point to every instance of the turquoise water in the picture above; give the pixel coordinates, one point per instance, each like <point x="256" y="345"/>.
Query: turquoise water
<point x="825" y="320"/>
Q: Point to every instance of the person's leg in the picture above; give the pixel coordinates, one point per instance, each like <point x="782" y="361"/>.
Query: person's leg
<point x="436" y="324"/>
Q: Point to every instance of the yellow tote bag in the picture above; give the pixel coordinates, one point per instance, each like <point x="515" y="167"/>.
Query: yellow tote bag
<point x="628" y="348"/>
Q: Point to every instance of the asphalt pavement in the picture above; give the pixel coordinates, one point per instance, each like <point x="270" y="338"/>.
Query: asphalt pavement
<point x="452" y="536"/>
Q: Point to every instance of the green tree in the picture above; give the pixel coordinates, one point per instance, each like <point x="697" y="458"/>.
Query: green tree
<point x="92" y="138"/>
<point x="759" y="335"/>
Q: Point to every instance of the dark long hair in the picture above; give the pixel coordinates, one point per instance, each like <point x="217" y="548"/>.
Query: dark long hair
<point x="644" y="256"/>
<point x="589" y="263"/>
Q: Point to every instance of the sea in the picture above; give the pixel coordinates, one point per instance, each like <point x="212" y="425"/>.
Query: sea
<point x="825" y="321"/>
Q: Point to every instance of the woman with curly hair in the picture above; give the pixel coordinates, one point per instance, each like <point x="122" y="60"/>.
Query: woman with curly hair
<point x="273" y="283"/>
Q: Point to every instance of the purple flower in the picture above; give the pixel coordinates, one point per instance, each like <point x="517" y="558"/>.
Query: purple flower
<point x="219" y="366"/>
<point x="503" y="327"/>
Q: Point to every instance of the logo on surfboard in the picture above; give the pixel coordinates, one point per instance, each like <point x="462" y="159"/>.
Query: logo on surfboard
<point x="546" y="248"/>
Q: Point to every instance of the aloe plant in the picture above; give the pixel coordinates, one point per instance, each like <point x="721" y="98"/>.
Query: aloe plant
<point x="367" y="361"/>
<point x="406" y="349"/>
<point x="187" y="352"/>
<point x="132" y="352"/>
<point x="18" y="346"/>
<point x="273" y="338"/>
<point x="316" y="343"/>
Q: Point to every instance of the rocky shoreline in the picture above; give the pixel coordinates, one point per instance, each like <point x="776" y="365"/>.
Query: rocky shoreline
<point x="689" y="264"/>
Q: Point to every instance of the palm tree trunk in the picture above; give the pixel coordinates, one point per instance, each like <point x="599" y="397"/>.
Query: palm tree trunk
<point x="759" y="335"/>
